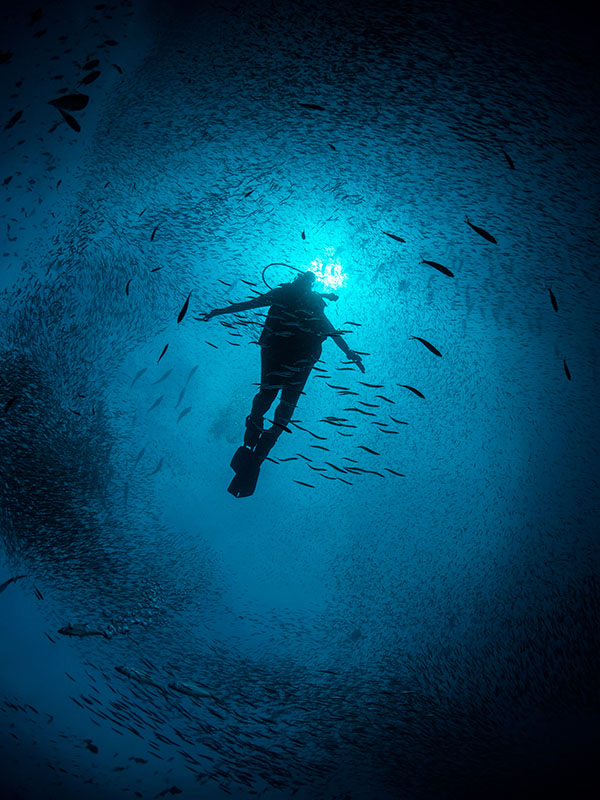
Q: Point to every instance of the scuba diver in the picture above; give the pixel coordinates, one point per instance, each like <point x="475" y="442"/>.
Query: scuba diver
<point x="290" y="343"/>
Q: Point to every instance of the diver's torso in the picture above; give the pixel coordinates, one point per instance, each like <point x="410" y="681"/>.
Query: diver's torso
<point x="295" y="322"/>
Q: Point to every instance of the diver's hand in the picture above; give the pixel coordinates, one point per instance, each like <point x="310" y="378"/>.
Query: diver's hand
<point x="206" y="317"/>
<point x="353" y="356"/>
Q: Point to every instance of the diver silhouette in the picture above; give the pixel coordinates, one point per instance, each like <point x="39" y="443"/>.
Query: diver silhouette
<point x="290" y="345"/>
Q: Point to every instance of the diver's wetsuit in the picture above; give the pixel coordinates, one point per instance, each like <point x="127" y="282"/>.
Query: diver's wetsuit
<point x="291" y="341"/>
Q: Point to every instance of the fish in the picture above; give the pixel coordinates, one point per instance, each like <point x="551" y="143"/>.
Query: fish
<point x="10" y="402"/>
<point x="280" y="425"/>
<point x="38" y="594"/>
<point x="332" y="147"/>
<point x="303" y="235"/>
<point x="127" y="287"/>
<point x="118" y="68"/>
<point x="211" y="344"/>
<point x="111" y="42"/>
<point x="369" y="405"/>
<point x="181" y="394"/>
<point x="90" y="746"/>
<point x="360" y="411"/>
<point x="357" y="324"/>
<point x="138" y="760"/>
<point x="138" y="375"/>
<point x="439" y="267"/>
<point x="428" y="345"/>
<point x="387" y="399"/>
<point x="224" y="282"/>
<point x="184" y="413"/>
<point x="139" y="455"/>
<point x="70" y="102"/>
<point x="248" y="283"/>
<point x="71" y="121"/>
<point x="372" y="385"/>
<point x="157" y="402"/>
<point x="302" y="483"/>
<point x="312" y="105"/>
<point x="13" y="120"/>
<point x="393" y="471"/>
<point x="480" y="231"/>
<point x="91" y="64"/>
<point x="155" y="268"/>
<point x="141" y="676"/>
<point x="190" y="688"/>
<point x="368" y="449"/>
<point x="9" y="581"/>
<point x="553" y="299"/>
<point x="333" y="466"/>
<point x="90" y="77"/>
<point x="393" y="236"/>
<point x="157" y="468"/>
<point x="509" y="160"/>
<point x="249" y="193"/>
<point x="153" y="233"/>
<point x="80" y="630"/>
<point x="567" y="373"/>
<point x="333" y="386"/>
<point x="163" y="377"/>
<point x="163" y="352"/>
<point x="184" y="309"/>
<point x="142" y="212"/>
<point x="399" y="421"/>
<point x="415" y="391"/>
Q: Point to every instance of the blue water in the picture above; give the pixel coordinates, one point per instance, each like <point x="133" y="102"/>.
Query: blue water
<point x="432" y="634"/>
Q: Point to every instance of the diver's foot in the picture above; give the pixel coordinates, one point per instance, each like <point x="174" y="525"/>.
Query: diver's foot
<point x="247" y="468"/>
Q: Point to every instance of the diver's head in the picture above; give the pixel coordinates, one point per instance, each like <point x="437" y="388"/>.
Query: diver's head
<point x="305" y="280"/>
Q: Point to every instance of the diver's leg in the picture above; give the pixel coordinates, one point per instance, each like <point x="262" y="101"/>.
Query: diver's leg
<point x="263" y="399"/>
<point x="290" y="395"/>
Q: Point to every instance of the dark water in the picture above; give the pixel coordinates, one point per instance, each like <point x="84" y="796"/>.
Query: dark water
<point x="430" y="635"/>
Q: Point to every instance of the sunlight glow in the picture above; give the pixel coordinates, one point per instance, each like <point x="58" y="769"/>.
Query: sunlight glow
<point x="329" y="273"/>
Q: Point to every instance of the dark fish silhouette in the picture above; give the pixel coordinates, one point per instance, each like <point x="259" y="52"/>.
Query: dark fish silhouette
<point x="211" y="344"/>
<point x="139" y="455"/>
<point x="111" y="42"/>
<point x="181" y="394"/>
<point x="184" y="413"/>
<point x="91" y="64"/>
<point x="415" y="391"/>
<point x="399" y="421"/>
<point x="118" y="68"/>
<point x="155" y="268"/>
<point x="10" y="403"/>
<point x="9" y="581"/>
<point x="183" y="311"/>
<point x="567" y="373"/>
<point x="80" y="630"/>
<point x="393" y="236"/>
<point x="481" y="232"/>
<point x="138" y="375"/>
<point x="303" y="235"/>
<point x="394" y="472"/>
<point x="249" y="193"/>
<point x="70" y="102"/>
<point x="157" y="468"/>
<point x="13" y="120"/>
<point x="38" y="594"/>
<point x="163" y="352"/>
<point x="312" y="105"/>
<point x="90" y="77"/>
<point x="248" y="283"/>
<point x="553" y="299"/>
<point x="192" y="371"/>
<point x="163" y="377"/>
<point x="428" y="345"/>
<point x="372" y="385"/>
<point x="509" y="160"/>
<point x="71" y="121"/>
<point x="153" y="233"/>
<point x="368" y="449"/>
<point x="310" y="485"/>
<point x="439" y="267"/>
<point x="357" y="324"/>
<point x="157" y="402"/>
<point x="127" y="287"/>
<point x="387" y="399"/>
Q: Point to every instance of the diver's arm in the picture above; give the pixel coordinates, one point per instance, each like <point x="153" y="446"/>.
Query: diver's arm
<point x="341" y="343"/>
<point x="256" y="302"/>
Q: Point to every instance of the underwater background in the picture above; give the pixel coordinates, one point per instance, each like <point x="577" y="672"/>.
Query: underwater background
<point x="412" y="612"/>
